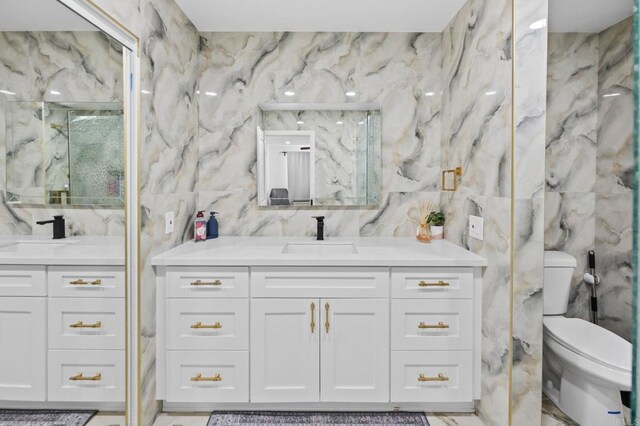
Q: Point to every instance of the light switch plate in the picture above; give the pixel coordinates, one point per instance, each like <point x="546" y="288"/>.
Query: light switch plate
<point x="476" y="227"/>
<point x="168" y="222"/>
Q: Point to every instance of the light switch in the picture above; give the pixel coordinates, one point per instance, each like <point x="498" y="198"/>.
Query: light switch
<point x="476" y="227"/>
<point x="168" y="221"/>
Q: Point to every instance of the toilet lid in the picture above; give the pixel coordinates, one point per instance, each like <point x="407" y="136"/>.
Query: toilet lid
<point x="591" y="341"/>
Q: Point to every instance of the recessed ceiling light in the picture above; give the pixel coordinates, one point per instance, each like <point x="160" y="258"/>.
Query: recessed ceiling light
<point x="430" y="94"/>
<point x="300" y="122"/>
<point x="287" y="142"/>
<point x="289" y="93"/>
<point x="339" y="122"/>
<point x="491" y="93"/>
<point x="610" y="95"/>
<point x="538" y="25"/>
<point x="211" y="93"/>
<point x="54" y="92"/>
<point x="197" y="92"/>
<point x="350" y="94"/>
<point x="146" y="92"/>
<point x="6" y="92"/>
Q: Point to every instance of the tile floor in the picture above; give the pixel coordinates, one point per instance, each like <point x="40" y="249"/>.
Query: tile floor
<point x="106" y="419"/>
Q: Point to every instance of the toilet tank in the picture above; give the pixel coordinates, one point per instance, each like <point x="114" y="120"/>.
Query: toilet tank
<point x="558" y="272"/>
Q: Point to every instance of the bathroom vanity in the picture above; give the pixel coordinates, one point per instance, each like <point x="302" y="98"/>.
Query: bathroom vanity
<point x="62" y="323"/>
<point x="260" y="322"/>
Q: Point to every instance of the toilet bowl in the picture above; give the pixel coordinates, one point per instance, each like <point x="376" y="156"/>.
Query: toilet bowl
<point x="584" y="366"/>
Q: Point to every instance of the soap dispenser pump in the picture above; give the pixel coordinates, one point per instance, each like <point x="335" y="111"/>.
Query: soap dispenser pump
<point x="212" y="226"/>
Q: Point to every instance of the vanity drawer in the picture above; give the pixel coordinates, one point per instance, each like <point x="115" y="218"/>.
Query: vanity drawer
<point x="86" y="281"/>
<point x="86" y="323"/>
<point x="443" y="324"/>
<point x="208" y="324"/>
<point x="86" y="376"/>
<point x="432" y="283"/>
<point x="23" y="281"/>
<point x="208" y="282"/>
<point x="283" y="282"/>
<point x="207" y="376"/>
<point x="441" y="376"/>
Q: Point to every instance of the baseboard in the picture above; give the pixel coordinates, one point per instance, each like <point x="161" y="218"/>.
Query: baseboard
<point x="199" y="407"/>
<point x="48" y="405"/>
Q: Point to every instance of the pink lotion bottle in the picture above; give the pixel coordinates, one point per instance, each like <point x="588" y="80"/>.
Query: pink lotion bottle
<point x="200" y="227"/>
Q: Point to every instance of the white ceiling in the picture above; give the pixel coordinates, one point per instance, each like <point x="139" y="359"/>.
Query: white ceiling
<point x="40" y="15"/>
<point x="321" y="15"/>
<point x="587" y="16"/>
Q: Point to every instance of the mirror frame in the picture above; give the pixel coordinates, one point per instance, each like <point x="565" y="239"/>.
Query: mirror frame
<point x="97" y="16"/>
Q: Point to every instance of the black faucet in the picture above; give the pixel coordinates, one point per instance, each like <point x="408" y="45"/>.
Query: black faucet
<point x="320" y="231"/>
<point x="58" y="226"/>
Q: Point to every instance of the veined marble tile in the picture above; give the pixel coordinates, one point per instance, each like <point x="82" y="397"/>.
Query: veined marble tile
<point x="572" y="101"/>
<point x="127" y="12"/>
<point x="570" y="224"/>
<point x="614" y="263"/>
<point x="398" y="214"/>
<point x="615" y="110"/>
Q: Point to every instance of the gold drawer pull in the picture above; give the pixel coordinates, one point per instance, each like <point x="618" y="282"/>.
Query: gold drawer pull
<point x="81" y="377"/>
<point x="83" y="282"/>
<point x="201" y="325"/>
<point x="80" y="324"/>
<point x="438" y="284"/>
<point x="200" y="282"/>
<point x="441" y="378"/>
<point x="438" y="325"/>
<point x="326" y="321"/>
<point x="313" y="323"/>
<point x="198" y="378"/>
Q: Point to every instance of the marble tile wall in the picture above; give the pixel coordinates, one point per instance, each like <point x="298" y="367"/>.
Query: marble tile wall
<point x="395" y="70"/>
<point x="476" y="135"/>
<point x="529" y="109"/>
<point x="589" y="165"/>
<point x="80" y="66"/>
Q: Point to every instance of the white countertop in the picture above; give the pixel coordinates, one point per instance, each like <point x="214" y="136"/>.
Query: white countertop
<point x="267" y="251"/>
<point x="40" y="250"/>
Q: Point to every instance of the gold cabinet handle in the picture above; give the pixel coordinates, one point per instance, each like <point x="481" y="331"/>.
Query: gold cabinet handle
<point x="199" y="378"/>
<point x="81" y="377"/>
<point x="83" y="282"/>
<point x="313" y="323"/>
<point x="80" y="324"/>
<point x="326" y="320"/>
<point x="200" y="282"/>
<point x="201" y="325"/>
<point x="440" y="283"/>
<point x="440" y="378"/>
<point x="438" y="325"/>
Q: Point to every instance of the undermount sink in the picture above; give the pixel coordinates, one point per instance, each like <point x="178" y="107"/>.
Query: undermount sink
<point x="320" y="247"/>
<point x="30" y="246"/>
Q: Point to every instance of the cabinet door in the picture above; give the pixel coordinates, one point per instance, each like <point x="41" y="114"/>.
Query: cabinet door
<point x="284" y="350"/>
<point x="22" y="348"/>
<point x="354" y="350"/>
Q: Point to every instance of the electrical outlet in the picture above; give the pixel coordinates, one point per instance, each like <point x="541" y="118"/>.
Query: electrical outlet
<point x="168" y="222"/>
<point x="476" y="227"/>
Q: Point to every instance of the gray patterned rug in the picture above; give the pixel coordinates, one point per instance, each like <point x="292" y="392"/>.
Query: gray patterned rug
<point x="45" y="417"/>
<point x="289" y="418"/>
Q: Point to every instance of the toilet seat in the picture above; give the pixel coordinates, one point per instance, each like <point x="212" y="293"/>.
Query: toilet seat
<point x="590" y="341"/>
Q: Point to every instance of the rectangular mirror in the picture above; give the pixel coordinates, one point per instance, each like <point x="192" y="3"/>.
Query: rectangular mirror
<point x="319" y="154"/>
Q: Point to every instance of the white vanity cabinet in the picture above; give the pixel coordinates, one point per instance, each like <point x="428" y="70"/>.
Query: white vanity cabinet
<point x="62" y="336"/>
<point x="241" y="333"/>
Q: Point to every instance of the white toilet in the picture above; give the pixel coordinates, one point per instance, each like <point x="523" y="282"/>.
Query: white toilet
<point x="584" y="366"/>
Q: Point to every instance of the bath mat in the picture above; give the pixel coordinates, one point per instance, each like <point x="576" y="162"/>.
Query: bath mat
<point x="45" y="417"/>
<point x="227" y="418"/>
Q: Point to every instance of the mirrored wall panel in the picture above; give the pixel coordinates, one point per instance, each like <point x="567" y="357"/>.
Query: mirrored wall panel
<point x="319" y="154"/>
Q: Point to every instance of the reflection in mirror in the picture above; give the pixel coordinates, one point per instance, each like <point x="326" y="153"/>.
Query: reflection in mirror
<point x="319" y="154"/>
<point x="62" y="266"/>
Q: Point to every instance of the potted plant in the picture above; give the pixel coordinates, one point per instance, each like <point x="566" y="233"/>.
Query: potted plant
<point x="436" y="222"/>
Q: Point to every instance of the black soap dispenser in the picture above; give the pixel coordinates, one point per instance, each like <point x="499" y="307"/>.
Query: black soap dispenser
<point x="212" y="226"/>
